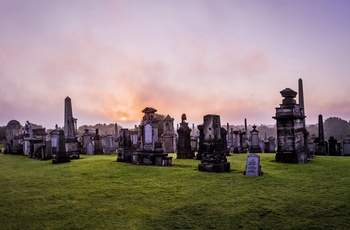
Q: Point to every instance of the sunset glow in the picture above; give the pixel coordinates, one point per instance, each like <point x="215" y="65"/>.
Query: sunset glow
<point x="225" y="57"/>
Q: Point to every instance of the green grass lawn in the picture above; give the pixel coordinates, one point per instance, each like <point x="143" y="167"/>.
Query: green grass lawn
<point x="96" y="192"/>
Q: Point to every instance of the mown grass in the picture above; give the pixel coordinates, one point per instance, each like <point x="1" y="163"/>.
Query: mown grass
<point x="96" y="192"/>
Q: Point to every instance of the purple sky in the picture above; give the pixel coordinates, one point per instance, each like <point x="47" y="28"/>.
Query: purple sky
<point x="114" y="58"/>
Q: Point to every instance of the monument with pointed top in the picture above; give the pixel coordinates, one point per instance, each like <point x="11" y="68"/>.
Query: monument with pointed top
<point x="72" y="146"/>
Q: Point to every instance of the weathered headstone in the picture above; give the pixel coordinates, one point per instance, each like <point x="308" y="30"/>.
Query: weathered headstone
<point x="254" y="147"/>
<point x="253" y="167"/>
<point x="13" y="134"/>
<point x="60" y="156"/>
<point x="346" y="146"/>
<point x="334" y="147"/>
<point x="184" y="148"/>
<point x="125" y="146"/>
<point x="108" y="145"/>
<point x="272" y="144"/>
<point x="168" y="134"/>
<point x="213" y="146"/>
<point x="98" y="143"/>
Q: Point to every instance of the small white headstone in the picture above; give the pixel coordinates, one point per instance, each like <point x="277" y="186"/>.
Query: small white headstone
<point x="253" y="165"/>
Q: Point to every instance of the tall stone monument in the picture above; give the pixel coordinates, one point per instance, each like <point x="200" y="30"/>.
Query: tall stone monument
<point x="72" y="146"/>
<point x="320" y="144"/>
<point x="168" y="134"/>
<point x="302" y="109"/>
<point x="213" y="146"/>
<point x="290" y="130"/>
<point x="184" y="149"/>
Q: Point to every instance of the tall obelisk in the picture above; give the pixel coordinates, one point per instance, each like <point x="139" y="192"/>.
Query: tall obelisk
<point x="301" y="99"/>
<point x="69" y="129"/>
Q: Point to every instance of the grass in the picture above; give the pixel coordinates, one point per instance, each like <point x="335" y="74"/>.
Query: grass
<point x="96" y="192"/>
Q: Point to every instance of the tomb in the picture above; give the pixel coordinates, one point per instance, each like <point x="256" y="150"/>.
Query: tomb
<point x="150" y="151"/>
<point x="36" y="144"/>
<point x="13" y="135"/>
<point x="212" y="146"/>
<point x="290" y="130"/>
<point x="184" y="148"/>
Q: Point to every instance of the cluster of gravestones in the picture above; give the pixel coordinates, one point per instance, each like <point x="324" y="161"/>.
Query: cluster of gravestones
<point x="212" y="143"/>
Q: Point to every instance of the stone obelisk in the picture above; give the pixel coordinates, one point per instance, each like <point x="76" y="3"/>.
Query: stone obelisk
<point x="301" y="99"/>
<point x="69" y="129"/>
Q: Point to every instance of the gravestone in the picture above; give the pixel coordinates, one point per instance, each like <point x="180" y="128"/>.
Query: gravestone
<point x="254" y="147"/>
<point x="237" y="143"/>
<point x="125" y="146"/>
<point x="60" y="156"/>
<point x="184" y="148"/>
<point x="86" y="138"/>
<point x="168" y="134"/>
<point x="253" y="167"/>
<point x="272" y="145"/>
<point x="334" y="147"/>
<point x="90" y="149"/>
<point x="290" y="130"/>
<point x="213" y="146"/>
<point x="97" y="143"/>
<point x="346" y="146"/>
<point x="108" y="145"/>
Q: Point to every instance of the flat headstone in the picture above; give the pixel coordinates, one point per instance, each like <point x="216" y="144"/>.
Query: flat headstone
<point x="253" y="167"/>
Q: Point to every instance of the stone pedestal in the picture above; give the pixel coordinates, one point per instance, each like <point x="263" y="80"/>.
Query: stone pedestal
<point x="290" y="130"/>
<point x="213" y="146"/>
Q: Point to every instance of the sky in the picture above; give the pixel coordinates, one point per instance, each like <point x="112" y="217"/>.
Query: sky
<point x="226" y="57"/>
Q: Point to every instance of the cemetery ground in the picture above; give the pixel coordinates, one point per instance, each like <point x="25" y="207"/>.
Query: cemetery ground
<point x="96" y="192"/>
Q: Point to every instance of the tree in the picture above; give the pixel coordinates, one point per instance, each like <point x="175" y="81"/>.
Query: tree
<point x="336" y="127"/>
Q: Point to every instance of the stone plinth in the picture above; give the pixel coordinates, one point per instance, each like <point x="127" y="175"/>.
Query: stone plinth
<point x="213" y="146"/>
